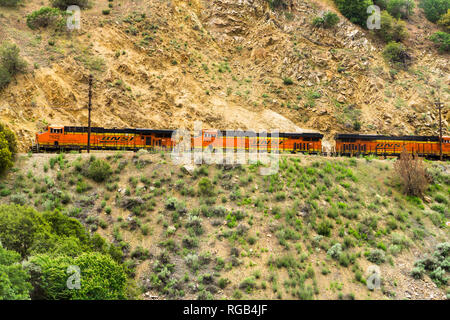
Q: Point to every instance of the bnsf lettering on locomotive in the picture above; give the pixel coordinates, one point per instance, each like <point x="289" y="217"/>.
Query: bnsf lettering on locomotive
<point x="388" y="145"/>
<point x="108" y="139"/>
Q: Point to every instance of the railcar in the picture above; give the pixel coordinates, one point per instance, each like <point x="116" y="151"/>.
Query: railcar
<point x="379" y="145"/>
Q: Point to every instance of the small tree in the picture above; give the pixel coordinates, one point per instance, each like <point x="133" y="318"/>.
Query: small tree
<point x="434" y="9"/>
<point x="400" y="8"/>
<point x="391" y="29"/>
<point x="442" y="39"/>
<point x="10" y="59"/>
<point x="354" y="10"/>
<point x="412" y="174"/>
<point x="445" y="21"/>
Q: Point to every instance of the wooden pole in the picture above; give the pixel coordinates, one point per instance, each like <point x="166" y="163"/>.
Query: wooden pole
<point x="439" y="105"/>
<point x="89" y="115"/>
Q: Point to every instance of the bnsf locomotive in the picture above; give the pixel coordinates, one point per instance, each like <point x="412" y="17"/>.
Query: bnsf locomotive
<point x="60" y="138"/>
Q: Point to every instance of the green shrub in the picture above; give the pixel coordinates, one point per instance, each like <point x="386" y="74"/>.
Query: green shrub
<point x="329" y="20"/>
<point x="9" y="3"/>
<point x="400" y="8"/>
<point x="10" y="63"/>
<point x="46" y="17"/>
<point x="354" y="10"/>
<point x="63" y="4"/>
<point x="101" y="277"/>
<point x="376" y="256"/>
<point x="434" y="9"/>
<point x="5" y="77"/>
<point x="99" y="170"/>
<point x="391" y="29"/>
<point x="396" y="54"/>
<point x="442" y="39"/>
<point x="288" y="81"/>
<point x="14" y="281"/>
<point x="444" y="21"/>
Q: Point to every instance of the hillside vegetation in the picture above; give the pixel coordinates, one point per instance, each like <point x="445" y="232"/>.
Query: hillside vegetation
<point x="256" y="64"/>
<point x="314" y="230"/>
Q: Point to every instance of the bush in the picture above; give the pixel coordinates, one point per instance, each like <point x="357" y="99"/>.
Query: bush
<point x="412" y="174"/>
<point x="14" y="280"/>
<point x="391" y="29"/>
<point x="377" y="256"/>
<point x="442" y="39"/>
<point x="5" y="77"/>
<point x="63" y="4"/>
<point x="5" y="154"/>
<point x="205" y="187"/>
<point x="99" y="170"/>
<point x="101" y="277"/>
<point x="354" y="10"/>
<point x="445" y="21"/>
<point x="335" y="251"/>
<point x="46" y="17"/>
<point x="400" y="8"/>
<point x="396" y="54"/>
<point x="434" y="9"/>
<point x="329" y="20"/>
<point x="9" y="3"/>
<point x="10" y="59"/>
<point x="381" y="3"/>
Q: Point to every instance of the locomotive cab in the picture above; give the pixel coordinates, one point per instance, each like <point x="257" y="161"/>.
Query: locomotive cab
<point x="50" y="138"/>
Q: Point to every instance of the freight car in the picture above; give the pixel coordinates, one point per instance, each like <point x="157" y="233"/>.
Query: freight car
<point x="379" y="145"/>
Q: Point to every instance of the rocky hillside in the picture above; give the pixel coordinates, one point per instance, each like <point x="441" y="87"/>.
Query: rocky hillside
<point x="228" y="63"/>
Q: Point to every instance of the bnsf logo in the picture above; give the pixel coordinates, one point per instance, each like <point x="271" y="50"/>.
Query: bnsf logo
<point x="262" y="142"/>
<point x="388" y="145"/>
<point x="116" y="139"/>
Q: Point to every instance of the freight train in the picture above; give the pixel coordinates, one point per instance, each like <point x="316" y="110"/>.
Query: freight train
<point x="66" y="138"/>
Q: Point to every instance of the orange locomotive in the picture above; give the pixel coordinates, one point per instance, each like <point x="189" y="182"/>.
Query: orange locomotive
<point x="378" y="145"/>
<point x="75" y="138"/>
<point x="57" y="138"/>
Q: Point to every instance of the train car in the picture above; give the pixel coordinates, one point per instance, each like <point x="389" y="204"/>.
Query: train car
<point x="250" y="141"/>
<point x="56" y="138"/>
<point x="379" y="145"/>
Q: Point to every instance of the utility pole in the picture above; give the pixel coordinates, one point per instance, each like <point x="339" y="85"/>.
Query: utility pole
<point x="89" y="115"/>
<point x="439" y="105"/>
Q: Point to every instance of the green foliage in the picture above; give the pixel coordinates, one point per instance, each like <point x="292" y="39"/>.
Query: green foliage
<point x="63" y="4"/>
<point x="14" y="280"/>
<point x="354" y="10"/>
<point x="99" y="170"/>
<point x="436" y="266"/>
<point x="376" y="256"/>
<point x="391" y="29"/>
<point x="5" y="154"/>
<point x="101" y="277"/>
<point x="434" y="9"/>
<point x="329" y="20"/>
<point x="400" y="8"/>
<point x="281" y="4"/>
<point x="10" y="59"/>
<point x="442" y="39"/>
<point x="10" y="63"/>
<point x="205" y="187"/>
<point x="444" y="21"/>
<point x="395" y="53"/>
<point x="9" y="3"/>
<point x="46" y="17"/>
